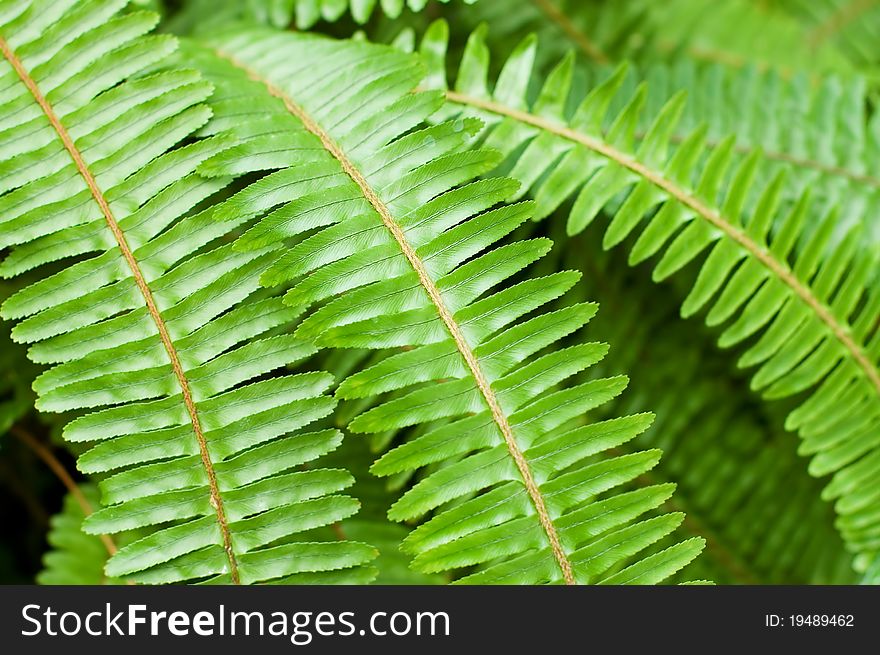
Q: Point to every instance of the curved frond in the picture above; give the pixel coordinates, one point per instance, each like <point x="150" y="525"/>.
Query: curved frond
<point x="805" y="299"/>
<point x="393" y="240"/>
<point x="149" y="318"/>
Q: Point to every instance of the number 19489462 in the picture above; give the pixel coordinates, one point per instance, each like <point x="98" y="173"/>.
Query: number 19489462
<point x="809" y="620"/>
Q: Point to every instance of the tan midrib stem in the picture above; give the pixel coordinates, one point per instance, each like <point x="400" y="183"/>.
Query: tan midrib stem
<point x="555" y="14"/>
<point x="97" y="194"/>
<point x="782" y="272"/>
<point x="434" y="294"/>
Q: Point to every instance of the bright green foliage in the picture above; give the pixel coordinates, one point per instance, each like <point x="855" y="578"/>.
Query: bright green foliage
<point x="197" y="444"/>
<point x="806" y="298"/>
<point x="393" y="239"/>
<point x="743" y="487"/>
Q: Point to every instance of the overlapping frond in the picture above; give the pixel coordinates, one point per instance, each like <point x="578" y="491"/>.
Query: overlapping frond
<point x="762" y="35"/>
<point x="149" y="318"/>
<point x="75" y="558"/>
<point x="852" y="25"/>
<point x="598" y="32"/>
<point x="805" y="299"/>
<point x="391" y="241"/>
<point x="820" y="132"/>
<point x="649" y="31"/>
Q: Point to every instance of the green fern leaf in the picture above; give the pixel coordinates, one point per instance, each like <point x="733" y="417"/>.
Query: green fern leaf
<point x="393" y="240"/>
<point x="151" y="310"/>
<point x="807" y="298"/>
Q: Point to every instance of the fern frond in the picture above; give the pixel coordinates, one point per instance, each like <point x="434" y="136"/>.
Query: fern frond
<point x="852" y="25"/>
<point x="736" y="33"/>
<point x="151" y="311"/>
<point x="76" y="558"/>
<point x="390" y="235"/>
<point x="872" y="571"/>
<point x="648" y="31"/>
<point x="808" y="302"/>
<point x="308" y="12"/>
<point x="596" y="31"/>
<point x="204" y="15"/>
